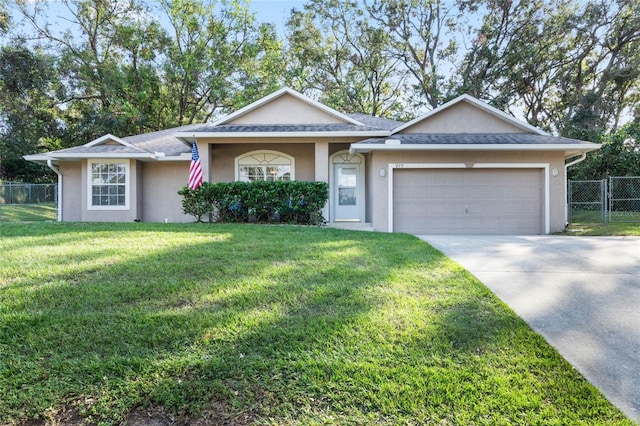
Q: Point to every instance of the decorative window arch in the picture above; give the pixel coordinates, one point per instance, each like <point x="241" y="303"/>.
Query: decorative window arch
<point x="344" y="157"/>
<point x="265" y="165"/>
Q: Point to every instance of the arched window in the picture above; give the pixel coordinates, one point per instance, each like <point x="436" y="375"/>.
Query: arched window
<point x="264" y="165"/>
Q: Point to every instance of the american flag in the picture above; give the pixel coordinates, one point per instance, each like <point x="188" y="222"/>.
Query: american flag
<point x="195" y="169"/>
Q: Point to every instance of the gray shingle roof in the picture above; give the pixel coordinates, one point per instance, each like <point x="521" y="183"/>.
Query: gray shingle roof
<point x="273" y="128"/>
<point x="377" y="122"/>
<point x="476" y="139"/>
<point x="100" y="149"/>
<point x="146" y="143"/>
<point x="163" y="140"/>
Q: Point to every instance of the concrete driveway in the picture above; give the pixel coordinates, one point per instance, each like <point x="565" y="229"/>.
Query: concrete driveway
<point x="581" y="293"/>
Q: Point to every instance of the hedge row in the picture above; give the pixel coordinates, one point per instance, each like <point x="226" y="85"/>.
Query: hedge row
<point x="295" y="202"/>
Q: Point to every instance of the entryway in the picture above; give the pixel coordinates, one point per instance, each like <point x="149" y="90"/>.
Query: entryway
<point x="347" y="188"/>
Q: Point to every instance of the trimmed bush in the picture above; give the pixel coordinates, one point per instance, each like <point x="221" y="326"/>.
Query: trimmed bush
<point x="296" y="202"/>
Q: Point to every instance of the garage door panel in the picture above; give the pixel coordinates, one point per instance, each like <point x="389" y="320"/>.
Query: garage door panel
<point x="462" y="201"/>
<point x="482" y="193"/>
<point x="436" y="226"/>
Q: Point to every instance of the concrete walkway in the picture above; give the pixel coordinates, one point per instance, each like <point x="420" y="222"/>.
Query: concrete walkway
<point x="581" y="293"/>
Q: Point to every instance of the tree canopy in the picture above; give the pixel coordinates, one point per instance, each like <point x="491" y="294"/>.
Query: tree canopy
<point x="571" y="67"/>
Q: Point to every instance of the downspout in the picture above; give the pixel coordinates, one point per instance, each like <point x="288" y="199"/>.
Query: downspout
<point x="582" y="157"/>
<point x="57" y="171"/>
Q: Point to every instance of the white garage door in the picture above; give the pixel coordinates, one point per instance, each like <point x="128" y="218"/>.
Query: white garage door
<point x="468" y="201"/>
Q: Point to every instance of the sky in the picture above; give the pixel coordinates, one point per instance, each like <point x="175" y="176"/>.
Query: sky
<point x="274" y="11"/>
<point x="270" y="11"/>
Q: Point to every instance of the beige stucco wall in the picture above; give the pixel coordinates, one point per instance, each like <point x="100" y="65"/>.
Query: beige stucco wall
<point x="140" y="180"/>
<point x="71" y="191"/>
<point x="463" y="118"/>
<point x="378" y="187"/>
<point x="286" y="110"/>
<point x="370" y="175"/>
<point x="135" y="204"/>
<point x="219" y="156"/>
<point x="337" y="147"/>
<point x="160" y="186"/>
<point x="154" y="185"/>
<point x="153" y="188"/>
<point x="223" y="159"/>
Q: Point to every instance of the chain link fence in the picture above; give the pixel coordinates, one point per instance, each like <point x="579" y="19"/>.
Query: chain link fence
<point x="587" y="201"/>
<point x="28" y="193"/>
<point x="25" y="202"/>
<point x="624" y="199"/>
<point x="612" y="200"/>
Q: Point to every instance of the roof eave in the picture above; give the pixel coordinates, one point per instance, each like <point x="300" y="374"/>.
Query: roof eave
<point x="181" y="157"/>
<point x="298" y="135"/>
<point x="569" y="149"/>
<point x="37" y="158"/>
<point x="157" y="156"/>
<point x="79" y="156"/>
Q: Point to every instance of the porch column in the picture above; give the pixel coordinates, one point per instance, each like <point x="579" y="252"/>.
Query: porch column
<point x="322" y="169"/>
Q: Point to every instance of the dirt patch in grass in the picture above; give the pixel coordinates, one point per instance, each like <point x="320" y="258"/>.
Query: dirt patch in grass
<point x="66" y="416"/>
<point x="217" y="414"/>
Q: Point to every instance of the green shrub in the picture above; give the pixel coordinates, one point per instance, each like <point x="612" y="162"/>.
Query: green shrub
<point x="296" y="202"/>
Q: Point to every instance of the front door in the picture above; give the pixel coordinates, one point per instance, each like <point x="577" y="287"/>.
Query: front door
<point x="347" y="198"/>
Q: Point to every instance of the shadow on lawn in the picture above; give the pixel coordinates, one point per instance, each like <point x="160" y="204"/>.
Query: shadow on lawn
<point x="17" y="235"/>
<point x="262" y="329"/>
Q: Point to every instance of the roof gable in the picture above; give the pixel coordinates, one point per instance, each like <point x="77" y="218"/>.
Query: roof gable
<point x="466" y="114"/>
<point x="108" y="139"/>
<point x="286" y="106"/>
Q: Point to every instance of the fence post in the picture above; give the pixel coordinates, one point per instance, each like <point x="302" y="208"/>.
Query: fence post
<point x="603" y="187"/>
<point x="610" y="198"/>
<point x="569" y="203"/>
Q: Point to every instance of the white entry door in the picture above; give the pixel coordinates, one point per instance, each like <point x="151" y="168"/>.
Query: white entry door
<point x="347" y="192"/>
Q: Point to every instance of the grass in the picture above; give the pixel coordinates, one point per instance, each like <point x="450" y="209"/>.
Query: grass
<point x="109" y="323"/>
<point x="596" y="216"/>
<point x="27" y="212"/>
<point x="589" y="223"/>
<point x="611" y="229"/>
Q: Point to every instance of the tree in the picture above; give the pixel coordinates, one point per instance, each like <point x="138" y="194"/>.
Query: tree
<point x="619" y="156"/>
<point x="336" y="52"/>
<point x="424" y="39"/>
<point x="5" y="17"/>
<point x="571" y="68"/>
<point x="28" y="119"/>
<point x="604" y="81"/>
<point x="216" y="54"/>
<point x="107" y="62"/>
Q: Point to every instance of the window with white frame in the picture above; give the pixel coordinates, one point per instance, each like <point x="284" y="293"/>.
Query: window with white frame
<point x="108" y="184"/>
<point x="264" y="165"/>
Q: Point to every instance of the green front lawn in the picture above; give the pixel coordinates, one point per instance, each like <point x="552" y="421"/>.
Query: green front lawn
<point x="28" y="212"/>
<point x="268" y="325"/>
